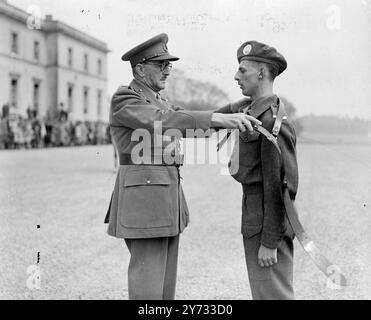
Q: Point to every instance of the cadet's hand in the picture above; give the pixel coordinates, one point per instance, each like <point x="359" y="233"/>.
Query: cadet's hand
<point x="267" y="257"/>
<point x="233" y="121"/>
<point x="235" y="106"/>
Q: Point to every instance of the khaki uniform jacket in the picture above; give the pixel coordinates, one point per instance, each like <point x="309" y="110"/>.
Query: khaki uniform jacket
<point x="148" y="200"/>
<point x="260" y="172"/>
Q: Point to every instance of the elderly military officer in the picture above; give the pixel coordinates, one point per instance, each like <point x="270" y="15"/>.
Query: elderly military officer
<point x="148" y="208"/>
<point x="267" y="235"/>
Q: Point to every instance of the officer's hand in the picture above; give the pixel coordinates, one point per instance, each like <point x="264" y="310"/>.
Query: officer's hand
<point x="267" y="257"/>
<point x="234" y="121"/>
<point x="236" y="106"/>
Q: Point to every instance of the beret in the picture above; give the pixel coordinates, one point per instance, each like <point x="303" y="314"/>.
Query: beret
<point x="152" y="49"/>
<point x="260" y="52"/>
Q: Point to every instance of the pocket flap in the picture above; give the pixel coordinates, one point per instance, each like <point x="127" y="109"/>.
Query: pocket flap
<point x="250" y="231"/>
<point x="146" y="177"/>
<point x="249" y="137"/>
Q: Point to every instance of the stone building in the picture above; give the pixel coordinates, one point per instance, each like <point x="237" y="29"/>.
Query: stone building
<point x="46" y="65"/>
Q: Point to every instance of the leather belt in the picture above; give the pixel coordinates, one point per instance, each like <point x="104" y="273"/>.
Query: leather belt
<point x="176" y="161"/>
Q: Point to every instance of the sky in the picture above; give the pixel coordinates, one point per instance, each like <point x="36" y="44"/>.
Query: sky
<point x="327" y="43"/>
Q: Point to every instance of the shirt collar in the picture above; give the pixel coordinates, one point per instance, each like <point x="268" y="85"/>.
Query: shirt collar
<point x="262" y="104"/>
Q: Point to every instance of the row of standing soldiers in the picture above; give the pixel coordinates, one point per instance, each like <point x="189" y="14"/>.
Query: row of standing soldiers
<point x="17" y="132"/>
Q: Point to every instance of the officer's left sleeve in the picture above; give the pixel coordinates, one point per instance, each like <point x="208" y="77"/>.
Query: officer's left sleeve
<point x="231" y="108"/>
<point x="274" y="225"/>
<point x="225" y="109"/>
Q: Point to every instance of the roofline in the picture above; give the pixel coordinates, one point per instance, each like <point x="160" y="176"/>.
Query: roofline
<point x="53" y="26"/>
<point x="13" y="12"/>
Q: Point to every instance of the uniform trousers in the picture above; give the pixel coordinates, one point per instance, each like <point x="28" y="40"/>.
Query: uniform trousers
<point x="270" y="283"/>
<point x="153" y="268"/>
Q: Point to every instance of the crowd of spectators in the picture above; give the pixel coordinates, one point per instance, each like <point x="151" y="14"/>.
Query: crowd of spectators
<point x="54" y="130"/>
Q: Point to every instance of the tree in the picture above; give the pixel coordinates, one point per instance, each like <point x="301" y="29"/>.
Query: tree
<point x="331" y="124"/>
<point x="291" y="113"/>
<point x="193" y="94"/>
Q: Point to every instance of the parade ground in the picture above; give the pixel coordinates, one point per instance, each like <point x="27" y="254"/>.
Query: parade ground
<point x="54" y="244"/>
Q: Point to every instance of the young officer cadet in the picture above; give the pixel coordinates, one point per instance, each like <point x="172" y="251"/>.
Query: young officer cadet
<point x="267" y="235"/>
<point x="148" y="208"/>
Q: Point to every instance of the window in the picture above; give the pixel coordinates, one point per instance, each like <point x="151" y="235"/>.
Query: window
<point x="86" y="100"/>
<point x="14" y="43"/>
<point x="36" y="94"/>
<point x="70" y="87"/>
<point x="99" y="102"/>
<point x="36" y="50"/>
<point x="99" y="66"/>
<point x="70" y="57"/>
<point x="14" y="91"/>
<point x="86" y="62"/>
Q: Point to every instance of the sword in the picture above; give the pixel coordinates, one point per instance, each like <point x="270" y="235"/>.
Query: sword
<point x="223" y="141"/>
<point x="331" y="271"/>
<point x="256" y="127"/>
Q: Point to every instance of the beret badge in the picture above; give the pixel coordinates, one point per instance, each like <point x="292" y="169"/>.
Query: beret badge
<point x="247" y="49"/>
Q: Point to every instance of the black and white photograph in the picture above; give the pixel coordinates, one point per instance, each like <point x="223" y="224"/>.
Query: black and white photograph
<point x="168" y="150"/>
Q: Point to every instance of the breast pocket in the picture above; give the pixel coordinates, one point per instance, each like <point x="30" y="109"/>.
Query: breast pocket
<point x="146" y="200"/>
<point x="249" y="136"/>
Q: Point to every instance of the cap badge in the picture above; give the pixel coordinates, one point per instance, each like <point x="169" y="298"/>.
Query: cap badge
<point x="247" y="49"/>
<point x="165" y="47"/>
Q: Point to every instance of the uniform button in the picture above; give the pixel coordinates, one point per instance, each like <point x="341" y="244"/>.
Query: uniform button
<point x="148" y="181"/>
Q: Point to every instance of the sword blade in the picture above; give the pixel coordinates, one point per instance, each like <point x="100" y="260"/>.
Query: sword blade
<point x="330" y="270"/>
<point x="223" y="141"/>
